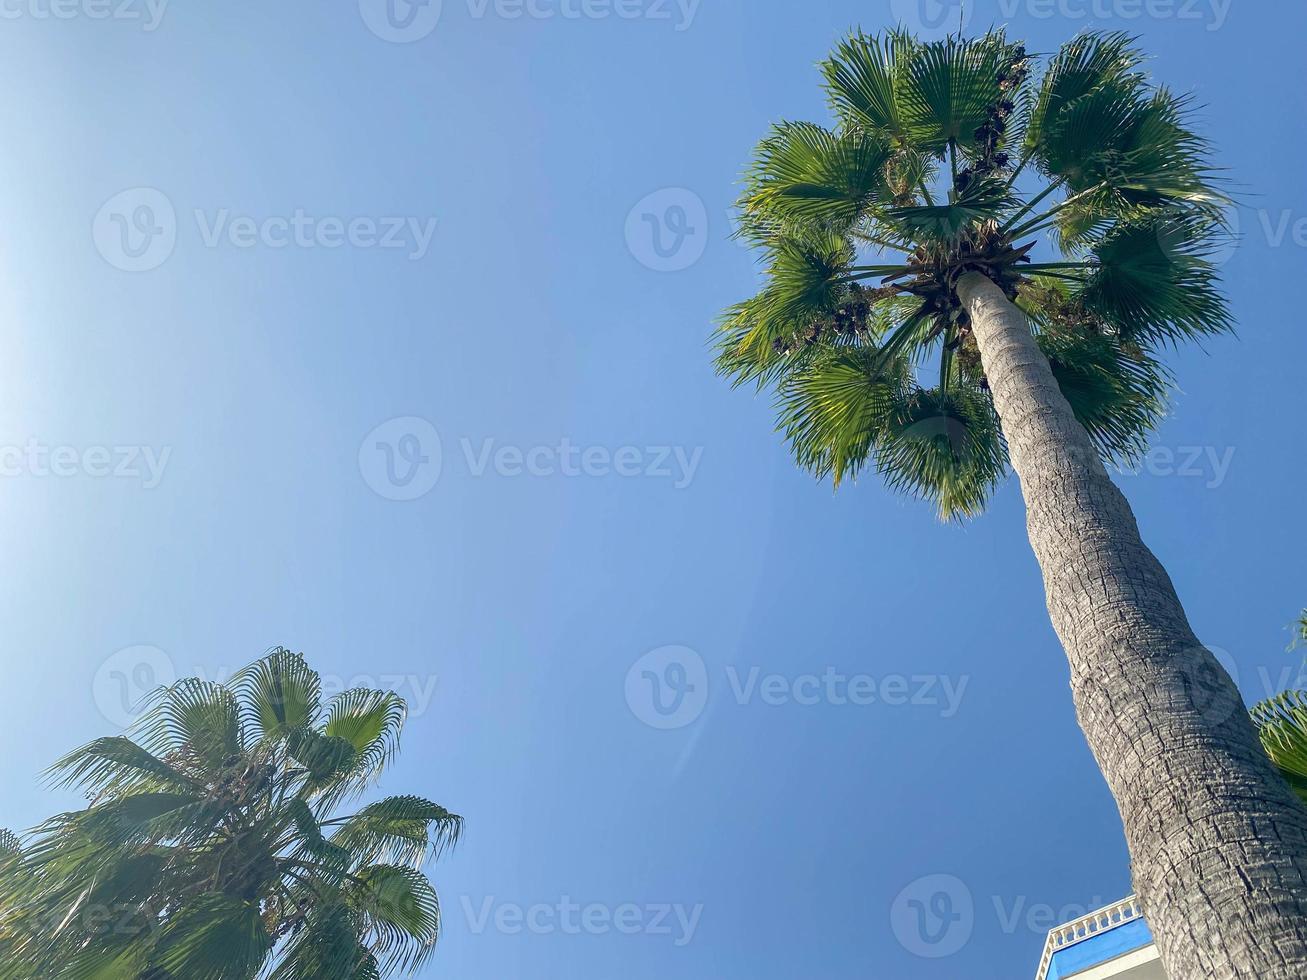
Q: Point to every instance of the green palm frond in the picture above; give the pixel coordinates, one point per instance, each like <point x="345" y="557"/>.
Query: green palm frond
<point x="1164" y="162"/>
<point x="399" y="912"/>
<point x="948" y="90"/>
<point x="325" y="758"/>
<point x="404" y="829"/>
<point x="1081" y="66"/>
<point x="805" y="278"/>
<point x="907" y="172"/>
<point x="107" y="962"/>
<point x="117" y="764"/>
<point x="1153" y="280"/>
<point x="1132" y="146"/>
<point x="281" y="692"/>
<point x="215" y="937"/>
<point x="807" y="177"/>
<point x="328" y="945"/>
<point x="370" y="721"/>
<point x="1085" y="141"/>
<point x="1082" y="224"/>
<point x="138" y="818"/>
<point x="1119" y="396"/>
<point x="984" y="200"/>
<point x="1282" y="724"/>
<point x="945" y="447"/>
<point x="863" y="78"/>
<point x="197" y="717"/>
<point x="332" y="858"/>
<point x="804" y="286"/>
<point x="833" y="412"/>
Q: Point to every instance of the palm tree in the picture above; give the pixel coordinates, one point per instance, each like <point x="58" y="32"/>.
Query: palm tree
<point x="1036" y="242"/>
<point x="213" y="848"/>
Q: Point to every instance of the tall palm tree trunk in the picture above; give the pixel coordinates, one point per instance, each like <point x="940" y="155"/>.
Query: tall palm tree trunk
<point x="1217" y="841"/>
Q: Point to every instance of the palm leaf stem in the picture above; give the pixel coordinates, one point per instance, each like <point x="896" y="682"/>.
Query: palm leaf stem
<point x="1035" y="223"/>
<point x="925" y="192"/>
<point x="1021" y="165"/>
<point x="1033" y="203"/>
<point x="946" y="357"/>
<point x="872" y="240"/>
<point x="899" y="339"/>
<point x="877" y="270"/>
<point x="1042" y="274"/>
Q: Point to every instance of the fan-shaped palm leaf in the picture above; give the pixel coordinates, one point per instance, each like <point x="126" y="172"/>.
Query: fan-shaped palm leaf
<point x="1282" y="724"/>
<point x="282" y="693"/>
<point x="809" y="177"/>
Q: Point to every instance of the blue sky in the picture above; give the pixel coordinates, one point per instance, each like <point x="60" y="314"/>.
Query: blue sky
<point x="339" y="219"/>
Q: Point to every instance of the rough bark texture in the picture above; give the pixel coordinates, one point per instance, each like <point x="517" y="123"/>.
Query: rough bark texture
<point x="1217" y="841"/>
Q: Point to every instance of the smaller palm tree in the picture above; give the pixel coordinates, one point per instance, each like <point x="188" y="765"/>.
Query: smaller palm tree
<point x="213" y="847"/>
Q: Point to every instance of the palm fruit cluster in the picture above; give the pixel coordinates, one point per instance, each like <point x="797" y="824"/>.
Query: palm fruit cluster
<point x="990" y="134"/>
<point x="850" y="319"/>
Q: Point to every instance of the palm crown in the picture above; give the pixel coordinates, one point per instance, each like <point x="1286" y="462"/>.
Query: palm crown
<point x="211" y="849"/>
<point x="933" y="147"/>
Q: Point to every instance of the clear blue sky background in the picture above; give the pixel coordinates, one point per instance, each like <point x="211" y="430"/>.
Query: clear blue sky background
<point x="527" y="599"/>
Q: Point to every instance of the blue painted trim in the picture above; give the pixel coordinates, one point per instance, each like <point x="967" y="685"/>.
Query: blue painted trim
<point x="1108" y="945"/>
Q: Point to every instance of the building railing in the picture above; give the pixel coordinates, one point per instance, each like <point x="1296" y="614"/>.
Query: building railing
<point x="1091" y="925"/>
